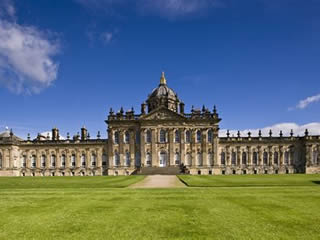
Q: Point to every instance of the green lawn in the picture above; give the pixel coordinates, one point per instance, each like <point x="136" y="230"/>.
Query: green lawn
<point x="251" y="180"/>
<point x="68" y="182"/>
<point x="61" y="208"/>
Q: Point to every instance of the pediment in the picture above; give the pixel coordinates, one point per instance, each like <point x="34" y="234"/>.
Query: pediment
<point x="162" y="114"/>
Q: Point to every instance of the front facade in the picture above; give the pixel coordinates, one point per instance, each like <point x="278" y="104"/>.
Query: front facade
<point x="161" y="138"/>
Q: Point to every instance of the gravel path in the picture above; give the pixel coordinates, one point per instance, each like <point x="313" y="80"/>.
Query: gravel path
<point x="159" y="181"/>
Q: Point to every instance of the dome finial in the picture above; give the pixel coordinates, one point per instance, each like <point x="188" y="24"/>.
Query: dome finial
<point x="163" y="79"/>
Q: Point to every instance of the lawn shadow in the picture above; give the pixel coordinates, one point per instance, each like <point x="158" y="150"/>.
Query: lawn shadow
<point x="316" y="182"/>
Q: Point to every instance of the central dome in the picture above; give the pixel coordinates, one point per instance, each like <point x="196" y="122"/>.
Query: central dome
<point x="163" y="96"/>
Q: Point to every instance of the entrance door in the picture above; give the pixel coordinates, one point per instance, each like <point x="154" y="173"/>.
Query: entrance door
<point x="163" y="159"/>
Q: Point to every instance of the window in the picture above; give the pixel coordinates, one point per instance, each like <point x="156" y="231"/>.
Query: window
<point x="83" y="160"/>
<point x="276" y="158"/>
<point x="255" y="171"/>
<point x="104" y="160"/>
<point x="63" y="161"/>
<point x="33" y="161"/>
<point x="148" y="159"/>
<point x="276" y="171"/>
<point x="116" y="159"/>
<point x="255" y="158"/>
<point x="223" y="158"/>
<point x="188" y="159"/>
<point x="148" y="136"/>
<point x="199" y="158"/>
<point x="210" y="136"/>
<point x="198" y="136"/>
<point x="73" y="160"/>
<point x="210" y="172"/>
<point x="315" y="157"/>
<point x="233" y="158"/>
<point x="286" y="157"/>
<point x="177" y="158"/>
<point x="199" y="172"/>
<point x="127" y="137"/>
<point x="177" y="136"/>
<point x="244" y="172"/>
<point x="162" y="136"/>
<point x="234" y="172"/>
<point x="138" y="137"/>
<point x="43" y="161"/>
<point x="0" y="160"/>
<point x="265" y="158"/>
<point x="116" y="137"/>
<point x="265" y="171"/>
<point x="53" y="160"/>
<point x="188" y="136"/>
<point x="127" y="159"/>
<point x="24" y="161"/>
<point x="244" y="158"/>
<point x="93" y="160"/>
<point x="223" y="172"/>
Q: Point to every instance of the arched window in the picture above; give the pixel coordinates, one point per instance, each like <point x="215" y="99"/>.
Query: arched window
<point x="188" y="159"/>
<point x="83" y="160"/>
<point x="148" y="136"/>
<point x="223" y="158"/>
<point x="244" y="158"/>
<point x="127" y="159"/>
<point x="148" y="159"/>
<point x="116" y="159"/>
<point x="43" y="161"/>
<point x="93" y="160"/>
<point x="53" y="160"/>
<point x="276" y="158"/>
<point x="177" y="136"/>
<point x="255" y="158"/>
<point x="24" y="161"/>
<point x="198" y="136"/>
<point x="233" y="158"/>
<point x="199" y="158"/>
<point x="265" y="158"/>
<point x="73" y="160"/>
<point x="177" y="158"/>
<point x="286" y="157"/>
<point x="33" y="161"/>
<point x="210" y="136"/>
<point x="188" y="136"/>
<point x="162" y="136"/>
<point x="104" y="159"/>
<point x="126" y="137"/>
<point x="63" y="160"/>
<point x="314" y="156"/>
<point x="116" y="137"/>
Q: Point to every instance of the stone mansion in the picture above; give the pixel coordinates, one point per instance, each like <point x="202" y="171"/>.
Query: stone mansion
<point x="163" y="139"/>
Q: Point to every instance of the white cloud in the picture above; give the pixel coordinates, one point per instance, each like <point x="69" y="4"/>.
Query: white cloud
<point x="7" y="9"/>
<point x="306" y="102"/>
<point x="26" y="58"/>
<point x="313" y="128"/>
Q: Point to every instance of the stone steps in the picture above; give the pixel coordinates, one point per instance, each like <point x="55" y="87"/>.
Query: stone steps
<point x="173" y="170"/>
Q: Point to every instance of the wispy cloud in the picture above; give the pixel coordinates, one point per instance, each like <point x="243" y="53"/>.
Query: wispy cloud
<point x="27" y="54"/>
<point x="171" y="9"/>
<point x="313" y="128"/>
<point x="107" y="37"/>
<point x="306" y="102"/>
<point x="7" y="9"/>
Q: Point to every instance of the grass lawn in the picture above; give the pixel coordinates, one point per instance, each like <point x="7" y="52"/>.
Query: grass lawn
<point x="45" y="208"/>
<point x="251" y="180"/>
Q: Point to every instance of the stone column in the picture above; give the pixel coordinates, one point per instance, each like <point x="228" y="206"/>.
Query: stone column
<point x="182" y="146"/>
<point x="193" y="147"/>
<point x="204" y="148"/>
<point x="171" y="147"/>
<point x="155" y="160"/>
<point x="249" y="156"/>
<point x="132" y="147"/>
<point x="110" y="148"/>
<point x="215" y="147"/>
<point x="142" y="147"/>
<point x="121" y="149"/>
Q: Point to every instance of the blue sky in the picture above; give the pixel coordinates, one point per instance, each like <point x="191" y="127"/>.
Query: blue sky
<point x="65" y="63"/>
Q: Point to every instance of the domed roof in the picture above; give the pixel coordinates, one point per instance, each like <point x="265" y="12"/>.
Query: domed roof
<point x="163" y="90"/>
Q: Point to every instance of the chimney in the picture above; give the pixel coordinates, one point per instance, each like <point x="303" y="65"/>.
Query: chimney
<point x="55" y="134"/>
<point x="181" y="108"/>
